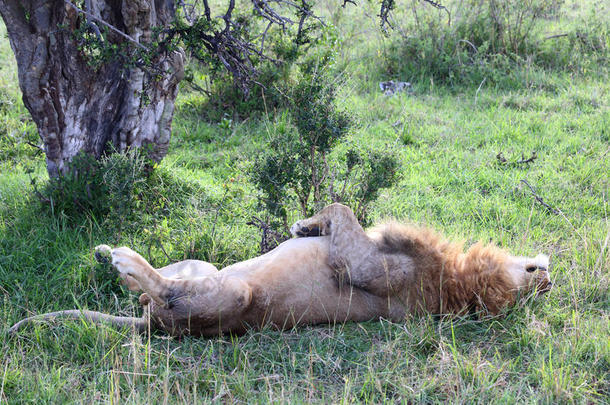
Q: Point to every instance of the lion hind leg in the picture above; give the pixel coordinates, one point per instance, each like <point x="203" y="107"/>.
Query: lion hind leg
<point x="352" y="253"/>
<point x="349" y="244"/>
<point x="335" y="218"/>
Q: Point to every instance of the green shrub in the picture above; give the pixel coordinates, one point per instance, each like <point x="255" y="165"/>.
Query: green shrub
<point x="298" y="169"/>
<point x="366" y="174"/>
<point x="95" y="188"/>
<point x="500" y="41"/>
<point x="121" y="189"/>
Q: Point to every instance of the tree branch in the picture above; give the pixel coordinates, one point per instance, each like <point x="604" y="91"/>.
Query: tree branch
<point x="110" y="26"/>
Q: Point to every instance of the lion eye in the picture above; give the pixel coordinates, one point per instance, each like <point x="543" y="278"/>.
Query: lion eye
<point x="531" y="269"/>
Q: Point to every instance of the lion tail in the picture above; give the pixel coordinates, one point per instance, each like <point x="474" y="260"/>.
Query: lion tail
<point x="139" y="324"/>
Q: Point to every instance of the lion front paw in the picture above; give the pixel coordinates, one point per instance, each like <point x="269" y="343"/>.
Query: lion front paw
<point x="302" y="229"/>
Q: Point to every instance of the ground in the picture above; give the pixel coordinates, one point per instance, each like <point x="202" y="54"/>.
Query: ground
<point x="448" y="139"/>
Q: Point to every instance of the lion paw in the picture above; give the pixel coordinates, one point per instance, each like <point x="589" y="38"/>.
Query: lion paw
<point x="103" y="254"/>
<point x="301" y="229"/>
<point x="125" y="260"/>
<point x="122" y="260"/>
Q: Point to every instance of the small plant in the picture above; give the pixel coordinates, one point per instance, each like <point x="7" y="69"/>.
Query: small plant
<point x="298" y="166"/>
<point x="366" y="174"/>
<point x="122" y="190"/>
<point x="96" y="188"/>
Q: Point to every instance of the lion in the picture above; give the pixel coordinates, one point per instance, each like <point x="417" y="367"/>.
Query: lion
<point x="331" y="271"/>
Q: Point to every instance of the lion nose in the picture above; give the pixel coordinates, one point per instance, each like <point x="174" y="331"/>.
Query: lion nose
<point x="544" y="283"/>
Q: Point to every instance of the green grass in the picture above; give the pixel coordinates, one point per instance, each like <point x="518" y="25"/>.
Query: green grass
<point x="554" y="350"/>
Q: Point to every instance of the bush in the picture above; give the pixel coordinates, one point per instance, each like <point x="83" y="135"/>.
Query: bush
<point x="121" y="189"/>
<point x="366" y="174"/>
<point x="298" y="167"/>
<point x="95" y="188"/>
<point x="500" y="41"/>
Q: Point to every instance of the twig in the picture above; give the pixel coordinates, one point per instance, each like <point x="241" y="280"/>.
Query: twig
<point x="263" y="37"/>
<point x="384" y="12"/>
<point x="469" y="43"/>
<point x="33" y="145"/>
<point x="476" y="95"/>
<point x="502" y="160"/>
<point x="197" y="87"/>
<point x="558" y="212"/>
<point x="92" y="25"/>
<point x="440" y="7"/>
<point x="268" y="234"/>
<point x="163" y="250"/>
<point x="555" y="36"/>
<point x="40" y="196"/>
<point x="528" y="160"/>
<point x="435" y="4"/>
<point x="540" y="200"/>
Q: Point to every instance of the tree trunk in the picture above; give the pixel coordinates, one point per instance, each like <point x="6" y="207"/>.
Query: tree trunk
<point x="78" y="106"/>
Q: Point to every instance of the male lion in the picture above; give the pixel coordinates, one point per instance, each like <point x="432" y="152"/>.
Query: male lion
<point x="333" y="271"/>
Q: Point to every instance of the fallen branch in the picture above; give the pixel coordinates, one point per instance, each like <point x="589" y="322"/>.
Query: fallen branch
<point x="540" y="200"/>
<point x="502" y="160"/>
<point x="556" y="36"/>
<point x="528" y="160"/>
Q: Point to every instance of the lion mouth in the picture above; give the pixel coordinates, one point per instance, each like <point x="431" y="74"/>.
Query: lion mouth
<point x="544" y="288"/>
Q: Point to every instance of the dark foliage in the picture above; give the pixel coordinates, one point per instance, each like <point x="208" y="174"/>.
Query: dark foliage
<point x="299" y="165"/>
<point x="120" y="189"/>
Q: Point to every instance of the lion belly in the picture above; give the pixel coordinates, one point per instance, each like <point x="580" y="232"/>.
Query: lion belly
<point x="291" y="285"/>
<point x="294" y="285"/>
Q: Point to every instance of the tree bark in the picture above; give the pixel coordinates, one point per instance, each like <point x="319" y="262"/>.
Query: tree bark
<point x="81" y="107"/>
